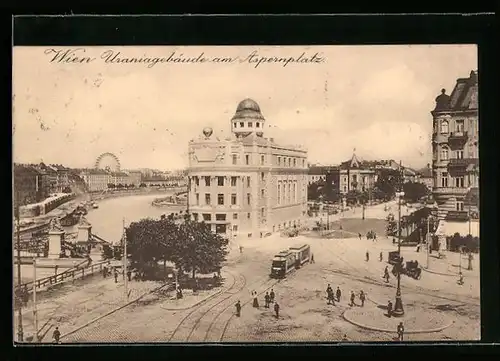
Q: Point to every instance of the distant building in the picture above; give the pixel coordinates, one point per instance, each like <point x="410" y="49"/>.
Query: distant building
<point x="425" y="176"/>
<point x="135" y="178"/>
<point x="246" y="185"/>
<point x="455" y="160"/>
<point x="30" y="185"/>
<point x="96" y="179"/>
<point x="357" y="176"/>
<point x="117" y="178"/>
<point x="62" y="176"/>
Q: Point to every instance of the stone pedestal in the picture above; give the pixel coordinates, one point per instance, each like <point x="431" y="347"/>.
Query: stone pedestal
<point x="55" y="240"/>
<point x="84" y="232"/>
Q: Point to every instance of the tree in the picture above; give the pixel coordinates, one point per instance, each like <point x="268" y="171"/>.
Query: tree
<point x="119" y="185"/>
<point x="414" y="191"/>
<point x="111" y="186"/>
<point x="387" y="183"/>
<point x="392" y="225"/>
<point x="107" y="252"/>
<point x="142" y="185"/>
<point x="198" y="249"/>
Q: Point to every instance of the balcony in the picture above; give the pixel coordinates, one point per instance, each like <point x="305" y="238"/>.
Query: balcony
<point x="457" y="216"/>
<point x="457" y="139"/>
<point x="462" y="166"/>
<point x="450" y="190"/>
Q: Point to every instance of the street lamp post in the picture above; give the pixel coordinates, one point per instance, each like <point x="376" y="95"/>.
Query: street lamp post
<point x="398" y="306"/>
<point x="428" y="236"/>
<point x="35" y="314"/>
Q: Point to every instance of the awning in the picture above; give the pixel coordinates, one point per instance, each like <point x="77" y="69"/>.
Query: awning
<point x="448" y="228"/>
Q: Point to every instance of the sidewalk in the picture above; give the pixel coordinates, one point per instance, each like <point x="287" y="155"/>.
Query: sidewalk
<point x="81" y="305"/>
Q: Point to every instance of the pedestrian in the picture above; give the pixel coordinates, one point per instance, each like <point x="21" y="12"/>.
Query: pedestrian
<point x="277" y="310"/>
<point x="329" y="295"/>
<point x="238" y="308"/>
<point x="367" y="256"/>
<point x="312" y="257"/>
<point x="129" y="275"/>
<point x="380" y="257"/>
<point x="461" y="279"/>
<point x="344" y="338"/>
<point x="394" y="241"/>
<point x="353" y="296"/>
<point x="179" y="293"/>
<point x="338" y="294"/>
<point x="241" y="249"/>
<point x="267" y="299"/>
<point x="386" y="274"/>
<point x="374" y="237"/>
<point x="255" y="299"/>
<point x="389" y="308"/>
<point x="362" y="298"/>
<point x="116" y="276"/>
<point x="401" y="330"/>
<point x="359" y="235"/>
<point x="272" y="295"/>
<point x="56" y="335"/>
<point x="104" y="272"/>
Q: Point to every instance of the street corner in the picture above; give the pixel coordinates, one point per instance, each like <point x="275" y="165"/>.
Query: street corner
<point x="415" y="320"/>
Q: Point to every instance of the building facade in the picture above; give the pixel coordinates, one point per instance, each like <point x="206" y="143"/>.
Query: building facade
<point x="31" y="185"/>
<point x="246" y="185"/>
<point x="455" y="158"/>
<point x="96" y="179"/>
<point x="356" y="176"/>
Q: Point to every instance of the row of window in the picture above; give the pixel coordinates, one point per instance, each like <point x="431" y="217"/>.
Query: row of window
<point x="458" y="182"/>
<point x="457" y="154"/>
<point x="281" y="160"/>
<point x="221" y="199"/>
<point x="249" y="124"/>
<point x="221" y="180"/>
<point x="221" y="217"/>
<point x="287" y="192"/>
<point x="444" y="126"/>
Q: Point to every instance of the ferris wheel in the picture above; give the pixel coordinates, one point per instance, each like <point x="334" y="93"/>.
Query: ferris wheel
<point x="108" y="161"/>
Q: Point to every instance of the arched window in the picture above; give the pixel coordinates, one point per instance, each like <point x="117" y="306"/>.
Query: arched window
<point x="235" y="125"/>
<point x="444" y="153"/>
<point x="444" y="127"/>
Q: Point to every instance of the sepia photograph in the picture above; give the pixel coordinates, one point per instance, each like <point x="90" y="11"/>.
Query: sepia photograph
<point x="229" y="194"/>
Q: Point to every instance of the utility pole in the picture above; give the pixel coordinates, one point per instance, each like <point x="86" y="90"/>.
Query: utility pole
<point x="125" y="261"/>
<point x="20" y="295"/>
<point x="35" y="314"/>
<point x="428" y="236"/>
<point x="398" y="306"/>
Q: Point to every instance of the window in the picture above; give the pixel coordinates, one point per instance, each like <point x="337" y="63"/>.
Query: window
<point x="459" y="126"/>
<point x="235" y="215"/>
<point x="444" y="127"/>
<point x="234" y="125"/>
<point x="242" y="125"/>
<point x="195" y="216"/>
<point x="262" y="160"/>
<point x="220" y="181"/>
<point x="262" y="212"/>
<point x="354" y="178"/>
<point x="235" y="159"/>
<point x="247" y="159"/>
<point x="207" y="181"/>
<point x="303" y="162"/>
<point x="279" y="160"/>
<point x="197" y="181"/>
<point x="250" y="124"/>
<point x="262" y="176"/>
<point x="460" y="154"/>
<point x="279" y="193"/>
<point x="248" y="215"/>
<point x="262" y="193"/>
<point x="197" y="199"/>
<point x="294" y="162"/>
<point x="459" y="206"/>
<point x="248" y="198"/>
<point x="459" y="182"/>
<point x="444" y="154"/>
<point x="233" y="181"/>
<point x="248" y="181"/>
<point x="207" y="199"/>
<point x="294" y="193"/>
<point x="444" y="179"/>
<point x="207" y="217"/>
<point x="220" y="217"/>
<point x="257" y="125"/>
<point x="220" y="199"/>
<point x="233" y="199"/>
<point x="289" y="162"/>
<point x="345" y="189"/>
<point x="235" y="228"/>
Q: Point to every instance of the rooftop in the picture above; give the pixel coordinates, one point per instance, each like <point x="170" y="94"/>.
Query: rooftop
<point x="463" y="97"/>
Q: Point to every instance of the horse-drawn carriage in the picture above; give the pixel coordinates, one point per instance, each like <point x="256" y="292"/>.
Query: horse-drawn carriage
<point x="411" y="269"/>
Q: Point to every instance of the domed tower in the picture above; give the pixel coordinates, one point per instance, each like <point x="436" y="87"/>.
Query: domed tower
<point x="247" y="119"/>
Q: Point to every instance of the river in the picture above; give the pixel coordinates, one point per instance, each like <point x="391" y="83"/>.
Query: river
<point x="107" y="220"/>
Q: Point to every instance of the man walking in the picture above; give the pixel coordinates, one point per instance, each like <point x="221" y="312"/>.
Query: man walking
<point x="56" y="335"/>
<point x="329" y="295"/>
<point x="389" y="309"/>
<point x="272" y="295"/>
<point x="367" y="256"/>
<point x="401" y="330"/>
<point x="267" y="300"/>
<point x="116" y="276"/>
<point x="338" y="294"/>
<point x="386" y="274"/>
<point x="362" y="298"/>
<point x="238" y="308"/>
<point x="277" y="310"/>
<point x="380" y="257"/>
<point x="353" y="296"/>
<point x="129" y="275"/>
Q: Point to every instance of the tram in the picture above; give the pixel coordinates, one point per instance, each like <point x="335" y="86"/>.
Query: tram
<point x="283" y="263"/>
<point x="302" y="254"/>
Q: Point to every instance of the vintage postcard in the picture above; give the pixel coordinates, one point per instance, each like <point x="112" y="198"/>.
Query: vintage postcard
<point x="212" y="194"/>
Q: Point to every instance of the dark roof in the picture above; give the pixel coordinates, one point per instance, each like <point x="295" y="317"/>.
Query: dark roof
<point x="119" y="174"/>
<point x="96" y="171"/>
<point x="247" y="109"/>
<point x="322" y="170"/>
<point x="26" y="169"/>
<point x="425" y="172"/>
<point x="463" y="97"/>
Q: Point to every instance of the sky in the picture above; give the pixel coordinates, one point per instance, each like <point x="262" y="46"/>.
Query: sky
<point x="374" y="99"/>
